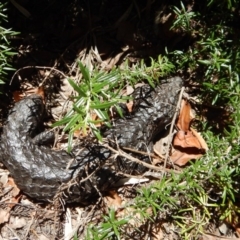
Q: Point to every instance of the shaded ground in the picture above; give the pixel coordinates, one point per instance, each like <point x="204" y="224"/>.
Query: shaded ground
<point x="102" y="34"/>
<point x="57" y="34"/>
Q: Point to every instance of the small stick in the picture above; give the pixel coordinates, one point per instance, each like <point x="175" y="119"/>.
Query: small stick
<point x="133" y="159"/>
<point x="172" y="124"/>
<point x="37" y="67"/>
<point x="140" y="152"/>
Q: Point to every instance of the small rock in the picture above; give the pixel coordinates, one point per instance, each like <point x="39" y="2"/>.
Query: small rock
<point x="223" y="228"/>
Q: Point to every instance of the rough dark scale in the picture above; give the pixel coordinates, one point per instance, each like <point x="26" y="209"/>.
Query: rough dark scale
<point x="39" y="171"/>
<point x="153" y="111"/>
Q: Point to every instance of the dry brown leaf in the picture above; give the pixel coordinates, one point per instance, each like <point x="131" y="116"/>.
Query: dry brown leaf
<point x="4" y="215"/>
<point x="182" y="158"/>
<point x="40" y="92"/>
<point x="234" y="221"/>
<point x="68" y="227"/>
<point x="129" y="90"/>
<point x="17" y="222"/>
<point x="184" y="118"/>
<point x="80" y="133"/>
<point x="208" y="236"/>
<point x="15" y="191"/>
<point x="17" y="96"/>
<point x="158" y="160"/>
<point x="111" y="62"/>
<point x="157" y="231"/>
<point x="130" y="106"/>
<point x="200" y="139"/>
<point x="66" y="88"/>
<point x="113" y="200"/>
<point x="42" y="237"/>
<point x="4" y="179"/>
<point x="187" y="142"/>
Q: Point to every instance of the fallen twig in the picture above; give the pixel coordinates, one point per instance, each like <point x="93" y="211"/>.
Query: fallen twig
<point x="172" y="125"/>
<point x="133" y="159"/>
<point x="37" y="67"/>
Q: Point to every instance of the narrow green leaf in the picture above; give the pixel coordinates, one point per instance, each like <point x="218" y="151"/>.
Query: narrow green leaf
<point x="70" y="141"/>
<point x="77" y="88"/>
<point x="62" y="121"/>
<point x="85" y="72"/>
<point x="119" y="110"/>
<point x="103" y="105"/>
<point x="78" y="109"/>
<point x="98" y="135"/>
<point x="101" y="114"/>
<point x="76" y="118"/>
<point x="206" y="62"/>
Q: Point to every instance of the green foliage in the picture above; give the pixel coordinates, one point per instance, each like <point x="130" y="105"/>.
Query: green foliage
<point x="157" y="68"/>
<point x="5" y="48"/>
<point x="95" y="94"/>
<point x="184" y="18"/>
<point x="109" y="229"/>
<point x="214" y="179"/>
<point x="98" y="91"/>
<point x="215" y="56"/>
<point x="208" y="188"/>
<point x="191" y="198"/>
<point x="225" y="4"/>
<point x="209" y="185"/>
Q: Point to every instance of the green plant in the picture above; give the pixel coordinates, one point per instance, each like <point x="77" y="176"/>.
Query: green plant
<point x="204" y="191"/>
<point x="215" y="56"/>
<point x="225" y="4"/>
<point x="96" y="93"/>
<point x="109" y="229"/>
<point x="184" y="18"/>
<point x="207" y="189"/>
<point x="157" y="69"/>
<point x="5" y="48"/>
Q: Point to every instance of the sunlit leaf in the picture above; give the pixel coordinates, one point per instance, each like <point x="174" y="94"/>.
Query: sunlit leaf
<point x="77" y="88"/>
<point x="85" y="72"/>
